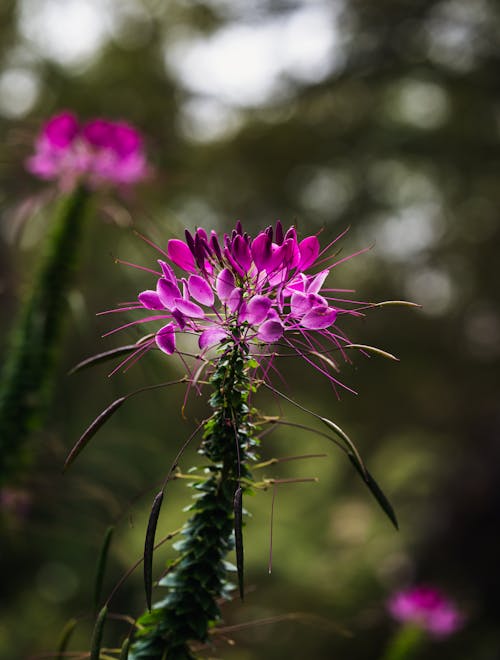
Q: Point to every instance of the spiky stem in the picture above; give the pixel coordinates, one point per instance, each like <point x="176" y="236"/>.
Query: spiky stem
<point x="199" y="577"/>
<point x="26" y="378"/>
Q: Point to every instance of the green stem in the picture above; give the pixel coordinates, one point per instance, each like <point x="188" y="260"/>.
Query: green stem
<point x="405" y="644"/>
<point x="199" y="579"/>
<point x="26" y="379"/>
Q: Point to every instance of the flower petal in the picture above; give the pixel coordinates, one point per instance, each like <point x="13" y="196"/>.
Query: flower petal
<point x="150" y="300"/>
<point x="257" y="309"/>
<point x="234" y="300"/>
<point x="270" y="331"/>
<point x="180" y="254"/>
<point x="211" y="336"/>
<point x="200" y="290"/>
<point x="241" y="252"/>
<point x="224" y="284"/>
<point x="261" y="251"/>
<point x="167" y="292"/>
<point x="165" y="339"/>
<point x="319" y="318"/>
<point x="168" y="271"/>
<point x="317" y="282"/>
<point x="188" y="308"/>
<point x="309" y="252"/>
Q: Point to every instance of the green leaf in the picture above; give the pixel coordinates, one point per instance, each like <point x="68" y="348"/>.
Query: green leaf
<point x="353" y="451"/>
<point x="64" y="639"/>
<point x="125" y="649"/>
<point x="102" y="357"/>
<point x="101" y="566"/>
<point x="92" y="430"/>
<point x="376" y="491"/>
<point x="149" y="546"/>
<point x="95" y="645"/>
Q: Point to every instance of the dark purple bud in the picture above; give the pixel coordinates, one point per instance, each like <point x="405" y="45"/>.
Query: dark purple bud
<point x="239" y="228"/>
<point x="291" y="233"/>
<point x="199" y="252"/>
<point x="279" y="233"/>
<point x="269" y="232"/>
<point x="215" y="246"/>
<point x="189" y="241"/>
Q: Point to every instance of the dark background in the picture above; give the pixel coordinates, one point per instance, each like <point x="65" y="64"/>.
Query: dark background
<point x="382" y="116"/>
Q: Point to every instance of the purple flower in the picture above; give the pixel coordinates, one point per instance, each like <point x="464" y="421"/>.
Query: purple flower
<point x="428" y="608"/>
<point x="98" y="153"/>
<point x="256" y="291"/>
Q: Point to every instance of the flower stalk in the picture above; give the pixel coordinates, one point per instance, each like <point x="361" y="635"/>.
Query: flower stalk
<point x="25" y="382"/>
<point x="198" y="578"/>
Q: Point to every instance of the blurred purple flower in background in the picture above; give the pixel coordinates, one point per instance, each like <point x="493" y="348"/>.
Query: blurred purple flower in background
<point x="428" y="608"/>
<point x="97" y="153"/>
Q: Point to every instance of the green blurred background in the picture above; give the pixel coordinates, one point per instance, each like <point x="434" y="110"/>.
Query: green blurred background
<point x="382" y="116"/>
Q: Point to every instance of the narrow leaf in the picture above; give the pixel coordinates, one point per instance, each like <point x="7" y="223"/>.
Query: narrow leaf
<point x="65" y="637"/>
<point x="92" y="430"/>
<point x="125" y="648"/>
<point x="149" y="546"/>
<point x="95" y="645"/>
<point x="354" y="454"/>
<point x="376" y="491"/>
<point x="238" y="537"/>
<point x="101" y="567"/>
<point x="102" y="357"/>
<point x="401" y="303"/>
<point x="373" y="349"/>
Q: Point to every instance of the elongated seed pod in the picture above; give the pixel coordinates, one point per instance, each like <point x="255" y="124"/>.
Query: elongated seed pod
<point x="149" y="547"/>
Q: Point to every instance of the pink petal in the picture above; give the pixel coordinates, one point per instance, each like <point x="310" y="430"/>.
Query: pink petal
<point x="261" y="251"/>
<point x="181" y="255"/>
<point x="189" y="308"/>
<point x="270" y="331"/>
<point x="241" y="252"/>
<point x="150" y="300"/>
<point x="257" y="309"/>
<point x="319" y="318"/>
<point x="211" y="336"/>
<point x="300" y="304"/>
<point x="317" y="282"/>
<point x="168" y="292"/>
<point x="200" y="290"/>
<point x="165" y="339"/>
<point x="224" y="284"/>
<point x="168" y="271"/>
<point x="291" y="254"/>
<point x="309" y="252"/>
<point x="234" y="300"/>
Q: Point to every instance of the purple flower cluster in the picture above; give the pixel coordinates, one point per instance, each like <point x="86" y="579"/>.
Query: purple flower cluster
<point x="97" y="153"/>
<point x="252" y="290"/>
<point x="428" y="608"/>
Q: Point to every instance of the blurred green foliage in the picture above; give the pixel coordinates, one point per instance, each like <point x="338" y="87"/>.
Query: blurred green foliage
<point x="394" y="131"/>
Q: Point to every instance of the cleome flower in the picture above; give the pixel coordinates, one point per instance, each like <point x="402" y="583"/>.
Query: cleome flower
<point x="97" y="153"/>
<point x="257" y="291"/>
<point x="427" y="608"/>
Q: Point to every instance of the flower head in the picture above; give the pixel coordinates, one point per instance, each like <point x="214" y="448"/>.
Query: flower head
<point x="428" y="608"/>
<point x="252" y="290"/>
<point x="100" y="152"/>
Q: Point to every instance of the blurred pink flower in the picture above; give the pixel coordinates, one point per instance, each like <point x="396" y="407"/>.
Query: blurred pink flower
<point x="428" y="608"/>
<point x="98" y="153"/>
